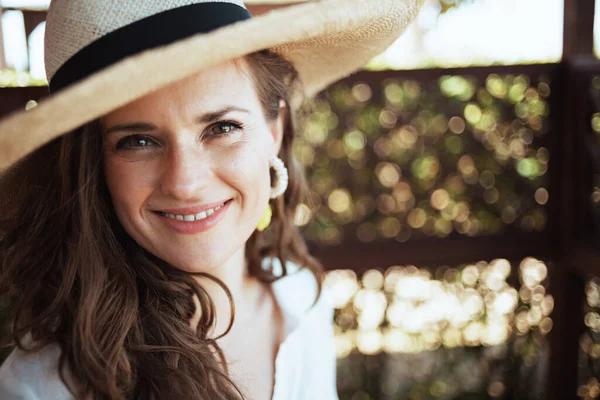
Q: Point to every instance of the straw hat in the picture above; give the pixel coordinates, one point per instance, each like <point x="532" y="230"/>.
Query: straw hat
<point x="101" y="55"/>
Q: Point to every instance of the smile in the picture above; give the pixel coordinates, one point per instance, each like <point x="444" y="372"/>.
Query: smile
<point x="192" y="217"/>
<point x="196" y="219"/>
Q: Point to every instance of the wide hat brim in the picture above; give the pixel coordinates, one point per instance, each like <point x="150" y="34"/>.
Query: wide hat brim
<point x="325" y="41"/>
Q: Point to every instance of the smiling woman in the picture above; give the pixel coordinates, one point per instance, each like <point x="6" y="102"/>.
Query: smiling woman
<point x="135" y="245"/>
<point x="174" y="163"/>
<point x="166" y="191"/>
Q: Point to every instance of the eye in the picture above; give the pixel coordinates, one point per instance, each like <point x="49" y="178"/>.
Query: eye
<point x="224" y="128"/>
<point x="135" y="142"/>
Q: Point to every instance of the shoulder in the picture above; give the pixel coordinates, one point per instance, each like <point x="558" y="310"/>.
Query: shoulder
<point x="296" y="295"/>
<point x="306" y="362"/>
<point x="32" y="375"/>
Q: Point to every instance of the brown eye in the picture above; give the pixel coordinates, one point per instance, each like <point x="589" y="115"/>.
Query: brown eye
<point x="135" y="142"/>
<point x="224" y="128"/>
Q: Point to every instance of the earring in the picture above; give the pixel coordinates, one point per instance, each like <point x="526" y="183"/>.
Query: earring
<point x="281" y="181"/>
<point x="265" y="220"/>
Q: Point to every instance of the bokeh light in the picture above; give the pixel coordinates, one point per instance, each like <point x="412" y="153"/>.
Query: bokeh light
<point x="470" y="306"/>
<point x="589" y="343"/>
<point x="401" y="159"/>
<point x="422" y="321"/>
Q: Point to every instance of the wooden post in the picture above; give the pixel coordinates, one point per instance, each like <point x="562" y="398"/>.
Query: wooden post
<point x="570" y="100"/>
<point x="32" y="19"/>
<point x="578" y="34"/>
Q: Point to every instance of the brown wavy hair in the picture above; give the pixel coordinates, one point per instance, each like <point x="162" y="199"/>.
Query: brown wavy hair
<point x="119" y="314"/>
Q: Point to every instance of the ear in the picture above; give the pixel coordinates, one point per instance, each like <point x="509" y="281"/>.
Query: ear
<point x="277" y="129"/>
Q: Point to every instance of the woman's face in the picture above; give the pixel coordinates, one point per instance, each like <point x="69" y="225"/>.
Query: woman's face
<point x="187" y="166"/>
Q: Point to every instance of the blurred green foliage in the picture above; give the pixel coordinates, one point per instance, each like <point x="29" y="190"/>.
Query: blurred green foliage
<point x="399" y="159"/>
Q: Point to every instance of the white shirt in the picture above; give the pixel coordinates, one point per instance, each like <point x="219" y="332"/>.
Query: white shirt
<point x="305" y="366"/>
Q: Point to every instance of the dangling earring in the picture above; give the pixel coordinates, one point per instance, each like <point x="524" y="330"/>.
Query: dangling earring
<point x="281" y="184"/>
<point x="265" y="221"/>
<point x="281" y="181"/>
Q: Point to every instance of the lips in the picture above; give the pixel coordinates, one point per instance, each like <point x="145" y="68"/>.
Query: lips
<point x="193" y="220"/>
<point x="194" y="210"/>
<point x="193" y="217"/>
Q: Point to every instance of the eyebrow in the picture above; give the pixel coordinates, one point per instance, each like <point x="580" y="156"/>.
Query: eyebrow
<point x="202" y="119"/>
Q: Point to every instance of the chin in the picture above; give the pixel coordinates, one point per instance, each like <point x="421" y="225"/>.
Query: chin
<point x="194" y="261"/>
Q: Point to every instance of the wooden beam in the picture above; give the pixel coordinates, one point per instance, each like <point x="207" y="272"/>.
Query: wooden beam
<point x="432" y="252"/>
<point x="12" y="99"/>
<point x="586" y="257"/>
<point x="32" y="20"/>
<point x="578" y="34"/>
<point x="567" y="288"/>
<point x="569" y="205"/>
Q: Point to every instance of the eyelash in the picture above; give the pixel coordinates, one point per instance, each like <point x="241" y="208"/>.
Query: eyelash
<point x="121" y="144"/>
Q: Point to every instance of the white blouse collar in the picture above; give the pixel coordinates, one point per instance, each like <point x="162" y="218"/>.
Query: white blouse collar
<point x="295" y="293"/>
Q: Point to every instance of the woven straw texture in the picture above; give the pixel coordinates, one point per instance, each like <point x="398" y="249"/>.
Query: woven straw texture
<point x="72" y="25"/>
<point x="326" y="41"/>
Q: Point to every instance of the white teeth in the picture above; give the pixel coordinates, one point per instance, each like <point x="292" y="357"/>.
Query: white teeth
<point x="192" y="217"/>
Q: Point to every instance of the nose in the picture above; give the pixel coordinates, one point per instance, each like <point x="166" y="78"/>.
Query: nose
<point x="186" y="172"/>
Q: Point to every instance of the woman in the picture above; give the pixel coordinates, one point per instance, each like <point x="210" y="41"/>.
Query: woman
<point x="137" y="242"/>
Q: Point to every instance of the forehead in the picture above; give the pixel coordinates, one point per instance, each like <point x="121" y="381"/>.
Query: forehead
<point x="225" y="84"/>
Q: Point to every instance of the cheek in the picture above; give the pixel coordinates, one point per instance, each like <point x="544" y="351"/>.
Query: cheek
<point x="248" y="172"/>
<point x="129" y="185"/>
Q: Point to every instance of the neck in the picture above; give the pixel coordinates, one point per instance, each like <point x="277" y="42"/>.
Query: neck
<point x="243" y="288"/>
